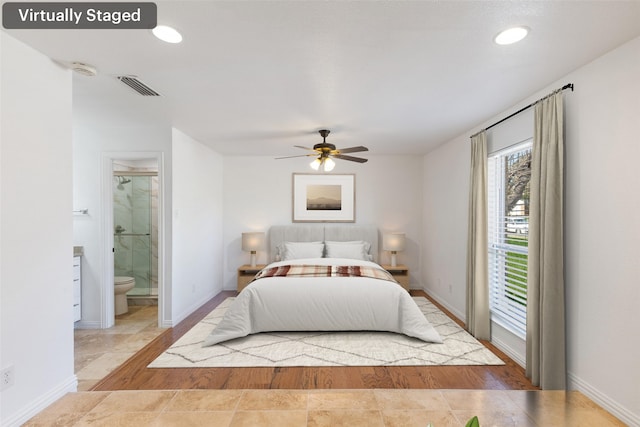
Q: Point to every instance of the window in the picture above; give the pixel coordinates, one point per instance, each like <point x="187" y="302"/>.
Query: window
<point x="508" y="175"/>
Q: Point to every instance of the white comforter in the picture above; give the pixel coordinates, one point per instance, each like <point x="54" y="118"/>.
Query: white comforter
<point x="323" y="304"/>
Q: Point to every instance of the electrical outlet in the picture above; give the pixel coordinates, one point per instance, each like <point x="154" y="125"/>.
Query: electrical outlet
<point x="450" y="288"/>
<point x="7" y="377"/>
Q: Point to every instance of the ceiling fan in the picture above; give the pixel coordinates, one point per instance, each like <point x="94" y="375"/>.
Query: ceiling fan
<point x="325" y="152"/>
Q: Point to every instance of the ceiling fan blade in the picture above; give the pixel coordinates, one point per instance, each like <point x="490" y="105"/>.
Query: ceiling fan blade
<point x="302" y="155"/>
<point x="352" y="149"/>
<point x="304" y="148"/>
<point x="350" y="158"/>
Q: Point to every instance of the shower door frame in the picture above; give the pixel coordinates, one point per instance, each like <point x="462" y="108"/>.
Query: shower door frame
<point x="107" y="311"/>
<point x="149" y="174"/>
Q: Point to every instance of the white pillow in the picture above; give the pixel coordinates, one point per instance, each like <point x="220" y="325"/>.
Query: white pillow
<point x="367" y="247"/>
<point x="350" y="250"/>
<point x="299" y="250"/>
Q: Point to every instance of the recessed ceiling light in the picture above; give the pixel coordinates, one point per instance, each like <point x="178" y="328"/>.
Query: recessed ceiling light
<point x="167" y="34"/>
<point x="512" y="35"/>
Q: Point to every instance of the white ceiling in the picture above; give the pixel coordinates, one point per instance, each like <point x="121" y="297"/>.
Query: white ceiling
<point x="400" y="77"/>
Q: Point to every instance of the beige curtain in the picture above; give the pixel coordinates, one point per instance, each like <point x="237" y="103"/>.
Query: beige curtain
<point x="478" y="320"/>
<point x="545" y="291"/>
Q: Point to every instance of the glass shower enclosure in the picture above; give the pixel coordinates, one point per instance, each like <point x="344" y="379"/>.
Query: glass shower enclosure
<point x="135" y="230"/>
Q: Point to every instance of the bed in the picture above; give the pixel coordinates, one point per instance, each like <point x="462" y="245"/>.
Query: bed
<point x="323" y="278"/>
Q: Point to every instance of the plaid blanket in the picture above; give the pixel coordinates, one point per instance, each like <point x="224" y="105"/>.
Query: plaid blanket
<point x="325" y="271"/>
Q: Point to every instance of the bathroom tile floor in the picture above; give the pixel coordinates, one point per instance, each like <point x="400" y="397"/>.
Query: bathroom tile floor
<point x="99" y="351"/>
<point x="353" y="408"/>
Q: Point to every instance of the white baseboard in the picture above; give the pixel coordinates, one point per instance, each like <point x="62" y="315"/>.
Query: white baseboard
<point x="87" y="324"/>
<point x="461" y="316"/>
<point x="509" y="351"/>
<point x="619" y="411"/>
<point x="39" y="404"/>
<point x="193" y="307"/>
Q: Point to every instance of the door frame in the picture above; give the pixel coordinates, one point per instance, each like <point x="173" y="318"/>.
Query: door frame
<point x="107" y="310"/>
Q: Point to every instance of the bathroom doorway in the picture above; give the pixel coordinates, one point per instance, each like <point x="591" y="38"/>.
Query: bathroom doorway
<point x="135" y="218"/>
<point x="130" y="175"/>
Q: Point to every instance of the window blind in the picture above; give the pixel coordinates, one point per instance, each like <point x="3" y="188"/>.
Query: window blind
<point x="508" y="227"/>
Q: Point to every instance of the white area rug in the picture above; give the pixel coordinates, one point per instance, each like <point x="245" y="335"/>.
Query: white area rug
<point x="327" y="348"/>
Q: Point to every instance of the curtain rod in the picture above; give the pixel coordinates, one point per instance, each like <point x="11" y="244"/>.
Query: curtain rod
<point x="567" y="86"/>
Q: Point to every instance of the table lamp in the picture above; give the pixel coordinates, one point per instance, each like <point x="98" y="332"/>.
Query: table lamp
<point x="252" y="242"/>
<point x="393" y="242"/>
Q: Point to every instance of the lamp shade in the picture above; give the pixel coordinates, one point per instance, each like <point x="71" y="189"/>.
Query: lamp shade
<point x="253" y="241"/>
<point x="393" y="242"/>
<point x="329" y="164"/>
<point x="315" y="165"/>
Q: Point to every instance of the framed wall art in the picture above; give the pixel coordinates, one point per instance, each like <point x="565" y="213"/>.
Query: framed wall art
<point x="324" y="197"/>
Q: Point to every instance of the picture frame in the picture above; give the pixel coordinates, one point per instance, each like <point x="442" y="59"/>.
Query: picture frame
<point x="324" y="197"/>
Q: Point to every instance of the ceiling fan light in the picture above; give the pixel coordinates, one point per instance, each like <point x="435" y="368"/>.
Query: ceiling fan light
<point x="329" y="164"/>
<point x="315" y="165"/>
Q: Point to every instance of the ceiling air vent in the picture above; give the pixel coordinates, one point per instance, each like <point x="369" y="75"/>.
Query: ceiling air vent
<point x="138" y="86"/>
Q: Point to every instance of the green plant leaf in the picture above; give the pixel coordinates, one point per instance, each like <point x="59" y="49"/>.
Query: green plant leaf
<point x="473" y="422"/>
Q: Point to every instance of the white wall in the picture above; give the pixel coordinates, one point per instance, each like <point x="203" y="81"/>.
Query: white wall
<point x="258" y="194"/>
<point x="36" y="246"/>
<point x="92" y="140"/>
<point x="602" y="245"/>
<point x="446" y="200"/>
<point x="602" y="237"/>
<point x="197" y="225"/>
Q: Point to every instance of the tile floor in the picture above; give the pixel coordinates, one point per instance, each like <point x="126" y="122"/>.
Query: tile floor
<point x="99" y="351"/>
<point x="353" y="408"/>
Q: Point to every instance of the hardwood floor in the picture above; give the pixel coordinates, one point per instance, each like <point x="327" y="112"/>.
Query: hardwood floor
<point x="134" y="374"/>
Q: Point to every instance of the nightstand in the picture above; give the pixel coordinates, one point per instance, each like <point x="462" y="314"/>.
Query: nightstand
<point x="246" y="273"/>
<point x="400" y="273"/>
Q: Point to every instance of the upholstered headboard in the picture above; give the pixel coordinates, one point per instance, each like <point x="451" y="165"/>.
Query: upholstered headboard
<point x="279" y="234"/>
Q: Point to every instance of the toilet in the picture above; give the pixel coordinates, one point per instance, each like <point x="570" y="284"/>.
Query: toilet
<point x="122" y="285"/>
